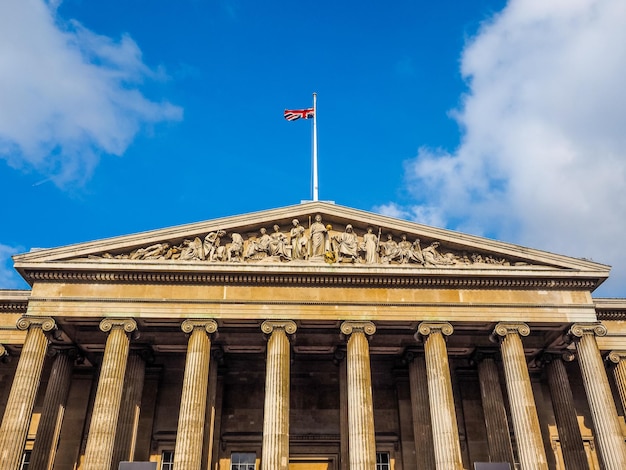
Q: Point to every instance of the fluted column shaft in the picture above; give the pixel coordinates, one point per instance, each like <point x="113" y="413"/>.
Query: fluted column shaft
<point x="619" y="373"/>
<point x="190" y="434"/>
<point x="128" y="421"/>
<point x="106" y="408"/>
<point x="603" y="412"/>
<point x="496" y="422"/>
<point x="275" y="452"/>
<point x="442" y="410"/>
<point x="532" y="454"/>
<point x="54" y="402"/>
<point x="362" y="438"/>
<point x="565" y="414"/>
<point x="21" y="400"/>
<point x="420" y="407"/>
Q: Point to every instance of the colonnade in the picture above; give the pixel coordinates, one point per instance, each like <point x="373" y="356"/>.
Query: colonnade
<point x="441" y="446"/>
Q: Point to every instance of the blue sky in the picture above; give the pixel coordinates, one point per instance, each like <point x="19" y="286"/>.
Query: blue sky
<point x="501" y="119"/>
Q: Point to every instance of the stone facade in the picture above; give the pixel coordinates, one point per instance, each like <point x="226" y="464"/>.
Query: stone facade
<point x="310" y="337"/>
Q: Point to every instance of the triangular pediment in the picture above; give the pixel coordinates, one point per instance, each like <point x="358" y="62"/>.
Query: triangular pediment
<point x="341" y="237"/>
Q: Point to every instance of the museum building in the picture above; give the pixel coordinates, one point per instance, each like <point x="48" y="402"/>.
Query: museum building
<point x="310" y="337"/>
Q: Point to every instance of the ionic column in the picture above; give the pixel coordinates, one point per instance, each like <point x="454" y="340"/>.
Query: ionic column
<point x="601" y="404"/>
<point x="420" y="407"/>
<point x="442" y="411"/>
<point x="532" y="454"/>
<point x="106" y="408"/>
<point x="21" y="400"/>
<point x="362" y="439"/>
<point x="275" y="453"/>
<point x="496" y="422"/>
<point x="128" y="420"/>
<point x="190" y="434"/>
<point x="565" y="412"/>
<point x="49" y="428"/>
<point x="619" y="373"/>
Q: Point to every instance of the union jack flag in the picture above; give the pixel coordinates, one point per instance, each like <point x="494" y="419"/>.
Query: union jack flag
<point x="295" y="114"/>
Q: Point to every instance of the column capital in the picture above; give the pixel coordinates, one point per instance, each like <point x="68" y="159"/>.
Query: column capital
<point x="616" y="356"/>
<point x="45" y="323"/>
<point x="127" y="324"/>
<point x="70" y="350"/>
<point x="270" y="325"/>
<point x="547" y="357"/>
<point x="349" y="327"/>
<point x="479" y="355"/>
<point x="338" y="356"/>
<point x="426" y="328"/>
<point x="208" y="324"/>
<point x="410" y="355"/>
<point x="577" y="330"/>
<point x="145" y="352"/>
<point x="505" y="328"/>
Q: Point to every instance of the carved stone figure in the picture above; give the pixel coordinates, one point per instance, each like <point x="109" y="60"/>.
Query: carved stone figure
<point x="389" y="250"/>
<point x="212" y="249"/>
<point x="192" y="250"/>
<point x="347" y="245"/>
<point x="370" y="245"/>
<point x="499" y="261"/>
<point x="405" y="250"/>
<point x="297" y="241"/>
<point x="318" y="238"/>
<point x="432" y="257"/>
<point x="157" y="251"/>
<point x="260" y="247"/>
<point x="235" y="249"/>
<point x="416" y="252"/>
<point x="278" y="244"/>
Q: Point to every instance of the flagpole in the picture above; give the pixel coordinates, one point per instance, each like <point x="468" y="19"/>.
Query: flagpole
<point x="315" y="187"/>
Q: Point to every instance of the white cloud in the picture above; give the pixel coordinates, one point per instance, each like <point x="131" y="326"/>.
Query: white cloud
<point x="542" y="160"/>
<point x="423" y="214"/>
<point x="68" y="95"/>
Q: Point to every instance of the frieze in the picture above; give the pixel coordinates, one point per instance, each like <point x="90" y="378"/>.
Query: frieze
<point x="319" y="243"/>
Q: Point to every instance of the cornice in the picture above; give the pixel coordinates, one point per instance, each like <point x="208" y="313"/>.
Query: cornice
<point x="611" y="315"/>
<point x="439" y="279"/>
<point x="610" y="309"/>
<point x="13" y="307"/>
<point x="14" y="301"/>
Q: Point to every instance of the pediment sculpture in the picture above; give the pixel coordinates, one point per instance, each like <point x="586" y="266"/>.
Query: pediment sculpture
<point x="320" y="243"/>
